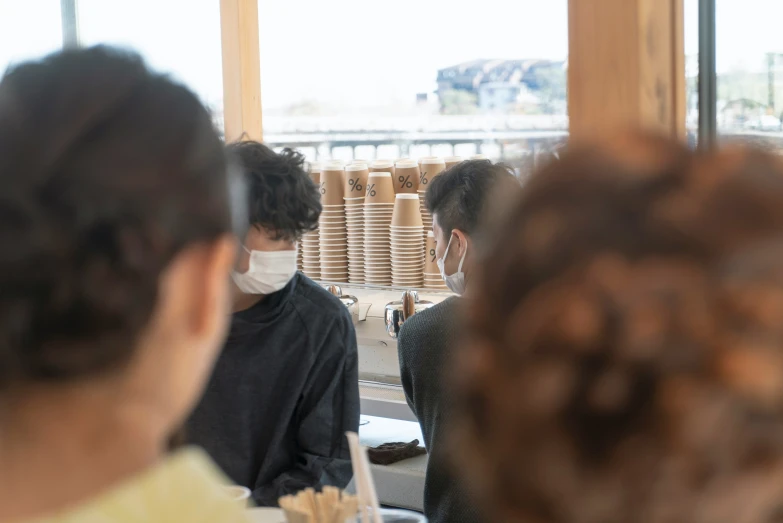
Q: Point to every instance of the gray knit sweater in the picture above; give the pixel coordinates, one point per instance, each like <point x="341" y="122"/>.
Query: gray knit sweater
<point x="425" y="345"/>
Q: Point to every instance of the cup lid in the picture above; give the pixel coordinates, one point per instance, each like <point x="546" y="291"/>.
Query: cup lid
<point x="406" y="163"/>
<point x="432" y="160"/>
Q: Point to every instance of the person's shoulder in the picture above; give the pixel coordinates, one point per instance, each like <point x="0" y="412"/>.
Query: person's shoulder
<point x="312" y="299"/>
<point x="432" y="321"/>
<point x="187" y="484"/>
<point x="437" y="313"/>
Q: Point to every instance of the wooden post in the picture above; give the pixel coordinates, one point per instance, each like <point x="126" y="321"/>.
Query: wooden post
<point x="241" y="69"/>
<point x="626" y="66"/>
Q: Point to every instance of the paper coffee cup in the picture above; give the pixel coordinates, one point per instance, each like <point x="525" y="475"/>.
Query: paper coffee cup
<point x="413" y="279"/>
<point x="332" y="185"/>
<point x="315" y="176"/>
<point x="356" y="180"/>
<point x="398" y="266"/>
<point x="430" y="257"/>
<point x="382" y="166"/>
<point x="406" y="211"/>
<point x="408" y="254"/>
<point x="406" y="176"/>
<point x="451" y="161"/>
<point x="430" y="168"/>
<point x="380" y="189"/>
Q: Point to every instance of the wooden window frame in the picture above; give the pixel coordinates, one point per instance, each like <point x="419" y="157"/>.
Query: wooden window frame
<point x="626" y="66"/>
<point x="241" y="70"/>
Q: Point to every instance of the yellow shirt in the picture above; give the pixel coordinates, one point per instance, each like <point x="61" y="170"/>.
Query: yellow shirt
<point x="185" y="488"/>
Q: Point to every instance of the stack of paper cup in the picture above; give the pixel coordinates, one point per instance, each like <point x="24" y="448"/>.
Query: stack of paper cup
<point x="406" y="177"/>
<point x="310" y="246"/>
<point x="355" y="189"/>
<point x="333" y="235"/>
<point x="407" y="241"/>
<point x="430" y="168"/>
<point x="432" y="277"/>
<point x="451" y="161"/>
<point x="378" y="210"/>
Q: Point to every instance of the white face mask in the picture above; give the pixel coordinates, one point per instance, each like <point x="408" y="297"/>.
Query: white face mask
<point x="456" y="281"/>
<point x="268" y="272"/>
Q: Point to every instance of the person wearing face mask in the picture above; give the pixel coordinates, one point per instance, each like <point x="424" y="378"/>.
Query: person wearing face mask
<point x="457" y="200"/>
<point x="285" y="388"/>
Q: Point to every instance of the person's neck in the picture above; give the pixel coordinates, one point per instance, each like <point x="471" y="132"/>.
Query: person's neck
<point x="244" y="301"/>
<point x="60" y="446"/>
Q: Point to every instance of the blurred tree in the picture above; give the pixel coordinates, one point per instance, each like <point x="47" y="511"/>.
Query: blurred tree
<point x="549" y="82"/>
<point x="455" y="101"/>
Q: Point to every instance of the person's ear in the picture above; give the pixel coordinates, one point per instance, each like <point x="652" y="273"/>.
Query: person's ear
<point x="212" y="300"/>
<point x="460" y="241"/>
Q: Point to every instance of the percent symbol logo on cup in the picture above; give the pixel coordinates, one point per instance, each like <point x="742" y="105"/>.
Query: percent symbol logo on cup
<point x="371" y="189"/>
<point x="423" y="179"/>
<point x="323" y="188"/>
<point x="355" y="185"/>
<point x="432" y="253"/>
<point x="405" y="181"/>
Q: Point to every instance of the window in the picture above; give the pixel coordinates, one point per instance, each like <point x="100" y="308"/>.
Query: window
<point x="28" y="29"/>
<point x="691" y="24"/>
<point x="179" y="37"/>
<point x="749" y="55"/>
<point x="345" y="81"/>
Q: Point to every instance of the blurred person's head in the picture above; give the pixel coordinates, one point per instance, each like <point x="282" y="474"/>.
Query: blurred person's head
<point x="115" y="247"/>
<point x="624" y="359"/>
<point x="283" y="204"/>
<point x="458" y="199"/>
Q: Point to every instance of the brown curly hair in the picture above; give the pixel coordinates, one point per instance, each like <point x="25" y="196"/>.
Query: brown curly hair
<point x="624" y="360"/>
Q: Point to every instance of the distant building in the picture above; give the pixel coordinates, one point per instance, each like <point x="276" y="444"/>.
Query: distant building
<point x="498" y="85"/>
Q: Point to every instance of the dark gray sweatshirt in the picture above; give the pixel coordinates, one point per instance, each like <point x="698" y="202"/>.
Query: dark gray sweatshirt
<point x="283" y="393"/>
<point x="426" y="347"/>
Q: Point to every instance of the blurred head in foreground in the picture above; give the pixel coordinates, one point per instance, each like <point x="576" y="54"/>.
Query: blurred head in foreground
<point x="115" y="255"/>
<point x="625" y="354"/>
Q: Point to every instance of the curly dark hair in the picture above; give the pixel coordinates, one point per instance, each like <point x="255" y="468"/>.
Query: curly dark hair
<point x="282" y="197"/>
<point x="624" y="360"/>
<point x="458" y="195"/>
<point x="107" y="171"/>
